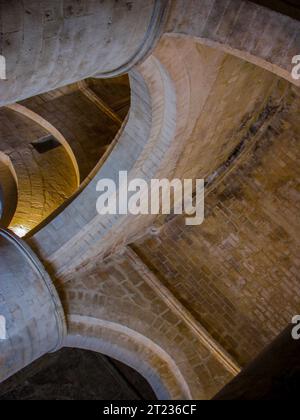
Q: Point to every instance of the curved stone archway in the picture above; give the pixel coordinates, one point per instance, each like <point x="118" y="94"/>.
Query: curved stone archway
<point x="74" y="40"/>
<point x="8" y="190"/>
<point x="45" y="173"/>
<point x="134" y="147"/>
<point x="256" y="34"/>
<point x="188" y="118"/>
<point x="164" y="131"/>
<point x="27" y="113"/>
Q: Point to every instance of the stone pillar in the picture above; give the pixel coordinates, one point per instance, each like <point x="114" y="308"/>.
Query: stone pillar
<point x="33" y="314"/>
<point x="51" y="43"/>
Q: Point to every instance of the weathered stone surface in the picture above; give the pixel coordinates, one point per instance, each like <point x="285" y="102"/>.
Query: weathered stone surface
<point x="257" y="34"/>
<point x="34" y="317"/>
<point x="238" y="273"/>
<point x="52" y="43"/>
<point x="187" y="307"/>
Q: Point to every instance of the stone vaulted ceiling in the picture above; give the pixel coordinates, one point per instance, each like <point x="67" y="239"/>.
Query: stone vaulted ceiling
<point x="180" y="89"/>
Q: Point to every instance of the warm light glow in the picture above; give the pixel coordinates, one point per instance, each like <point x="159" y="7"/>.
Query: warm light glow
<point x="20" y="231"/>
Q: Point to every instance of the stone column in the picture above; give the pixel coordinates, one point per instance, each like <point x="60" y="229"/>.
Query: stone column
<point x="30" y="306"/>
<point x="51" y="43"/>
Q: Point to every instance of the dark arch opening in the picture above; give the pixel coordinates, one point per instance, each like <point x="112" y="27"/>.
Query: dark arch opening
<point x="73" y="374"/>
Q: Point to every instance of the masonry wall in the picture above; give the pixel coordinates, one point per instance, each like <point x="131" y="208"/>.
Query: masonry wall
<point x="219" y="292"/>
<point x="238" y="273"/>
<point x="182" y="79"/>
<point x="72" y="375"/>
<point x="114" y="291"/>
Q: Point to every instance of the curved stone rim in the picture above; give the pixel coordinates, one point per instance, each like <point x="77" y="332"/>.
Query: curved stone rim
<point x="152" y="36"/>
<point x="8" y="190"/>
<point x="46" y="125"/>
<point x="109" y="338"/>
<point x="33" y="260"/>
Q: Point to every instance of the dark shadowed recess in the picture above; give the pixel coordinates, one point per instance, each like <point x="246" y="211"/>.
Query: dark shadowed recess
<point x="273" y="376"/>
<point x="76" y="375"/>
<point x="286" y="7"/>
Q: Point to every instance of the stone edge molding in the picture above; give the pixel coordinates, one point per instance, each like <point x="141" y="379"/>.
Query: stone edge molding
<point x="202" y="335"/>
<point x="162" y="386"/>
<point x="34" y="262"/>
<point x="151" y="38"/>
<point x="46" y="125"/>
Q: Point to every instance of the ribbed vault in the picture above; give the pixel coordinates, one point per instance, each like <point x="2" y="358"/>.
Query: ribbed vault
<point x="214" y="98"/>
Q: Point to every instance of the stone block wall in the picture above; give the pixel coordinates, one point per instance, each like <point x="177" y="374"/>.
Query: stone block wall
<point x="238" y="273"/>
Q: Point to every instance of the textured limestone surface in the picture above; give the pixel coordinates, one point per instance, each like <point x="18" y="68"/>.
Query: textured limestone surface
<point x="211" y="95"/>
<point x="34" y="318"/>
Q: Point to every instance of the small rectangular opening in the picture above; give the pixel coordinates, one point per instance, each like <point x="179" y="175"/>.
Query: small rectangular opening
<point x="45" y="144"/>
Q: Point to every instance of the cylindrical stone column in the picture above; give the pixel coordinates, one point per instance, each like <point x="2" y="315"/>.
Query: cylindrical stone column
<point x="51" y="43"/>
<point x="31" y="315"/>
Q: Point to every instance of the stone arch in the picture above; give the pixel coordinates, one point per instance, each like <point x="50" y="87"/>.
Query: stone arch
<point x="50" y="129"/>
<point x="2" y="67"/>
<point x="163" y="122"/>
<point x="129" y="347"/>
<point x="166" y="120"/>
<point x="139" y="148"/>
<point x="243" y="55"/>
<point x="8" y="190"/>
<point x="249" y="31"/>
<point x="162" y="136"/>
